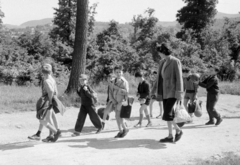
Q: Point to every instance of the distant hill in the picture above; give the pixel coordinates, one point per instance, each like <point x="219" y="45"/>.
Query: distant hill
<point x="37" y="22"/>
<point x="103" y="25"/>
<point x="220" y="15"/>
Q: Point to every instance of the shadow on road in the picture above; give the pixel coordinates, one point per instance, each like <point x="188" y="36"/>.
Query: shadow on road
<point x="18" y="145"/>
<point x="110" y="143"/>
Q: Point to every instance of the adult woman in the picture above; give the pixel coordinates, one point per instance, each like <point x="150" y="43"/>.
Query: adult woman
<point x="169" y="87"/>
<point x="48" y="91"/>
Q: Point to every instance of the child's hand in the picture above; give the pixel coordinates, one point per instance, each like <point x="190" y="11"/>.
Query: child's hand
<point x="85" y="88"/>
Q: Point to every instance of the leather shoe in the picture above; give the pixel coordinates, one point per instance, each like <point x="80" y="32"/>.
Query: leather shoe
<point x="99" y="130"/>
<point x="166" y="140"/>
<point x="210" y="123"/>
<point x="119" y="135"/>
<point x="178" y="136"/>
<point x="125" y="132"/>
<point x="219" y="120"/>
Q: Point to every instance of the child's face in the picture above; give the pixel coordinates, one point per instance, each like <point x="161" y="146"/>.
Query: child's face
<point x="212" y="71"/>
<point x="118" y="73"/>
<point x="83" y="81"/>
<point x="138" y="79"/>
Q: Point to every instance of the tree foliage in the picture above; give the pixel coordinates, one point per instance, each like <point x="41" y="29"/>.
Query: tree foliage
<point x="197" y="14"/>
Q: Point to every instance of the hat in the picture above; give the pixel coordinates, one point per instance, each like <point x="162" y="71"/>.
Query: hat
<point x="83" y="76"/>
<point x="47" y="68"/>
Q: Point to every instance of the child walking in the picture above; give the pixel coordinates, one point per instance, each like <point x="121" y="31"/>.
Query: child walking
<point x="111" y="101"/>
<point x="144" y="99"/>
<point x="190" y="90"/>
<point x="153" y="78"/>
<point x="87" y="107"/>
<point x="120" y="93"/>
<point x="211" y="84"/>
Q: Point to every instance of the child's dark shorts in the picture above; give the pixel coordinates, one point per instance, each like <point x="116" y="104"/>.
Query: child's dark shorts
<point x="147" y="102"/>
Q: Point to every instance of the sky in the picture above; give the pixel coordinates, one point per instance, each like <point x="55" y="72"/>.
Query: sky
<point x="20" y="11"/>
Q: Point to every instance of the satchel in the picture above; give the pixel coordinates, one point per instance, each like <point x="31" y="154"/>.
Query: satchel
<point x="94" y="95"/>
<point x="127" y="109"/>
<point x="58" y="105"/>
<point x="181" y="114"/>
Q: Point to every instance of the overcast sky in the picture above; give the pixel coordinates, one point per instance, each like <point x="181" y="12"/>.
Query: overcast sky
<point x="19" y="11"/>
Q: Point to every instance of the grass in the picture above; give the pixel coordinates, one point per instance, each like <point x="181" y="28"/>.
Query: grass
<point x="232" y="88"/>
<point x="229" y="158"/>
<point x="16" y="98"/>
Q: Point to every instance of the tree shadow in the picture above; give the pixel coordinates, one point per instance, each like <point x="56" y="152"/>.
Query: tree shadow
<point x="110" y="143"/>
<point x="18" y="145"/>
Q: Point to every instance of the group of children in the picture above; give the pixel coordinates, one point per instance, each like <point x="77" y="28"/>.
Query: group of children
<point x="118" y="89"/>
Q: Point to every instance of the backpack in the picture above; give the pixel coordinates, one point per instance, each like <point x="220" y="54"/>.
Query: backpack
<point x="94" y="95"/>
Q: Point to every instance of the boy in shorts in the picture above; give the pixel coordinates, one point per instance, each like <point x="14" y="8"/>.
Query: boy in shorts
<point x="153" y="78"/>
<point x="190" y="89"/>
<point x="120" y="94"/>
<point x="144" y="98"/>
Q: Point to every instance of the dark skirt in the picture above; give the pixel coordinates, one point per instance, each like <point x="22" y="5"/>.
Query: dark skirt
<point x="168" y="110"/>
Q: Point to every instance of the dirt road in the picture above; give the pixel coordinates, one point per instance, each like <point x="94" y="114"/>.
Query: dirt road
<point x="139" y="147"/>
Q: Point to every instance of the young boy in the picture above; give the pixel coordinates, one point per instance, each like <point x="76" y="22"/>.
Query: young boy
<point x="153" y="77"/>
<point x="111" y="101"/>
<point x="211" y="84"/>
<point x="144" y="98"/>
<point x="120" y="94"/>
<point x="87" y="107"/>
<point x="190" y="89"/>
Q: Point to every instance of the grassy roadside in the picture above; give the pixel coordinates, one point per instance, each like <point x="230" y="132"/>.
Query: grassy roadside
<point x="20" y="99"/>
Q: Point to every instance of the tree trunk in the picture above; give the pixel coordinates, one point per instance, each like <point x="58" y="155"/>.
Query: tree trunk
<point x="80" y="46"/>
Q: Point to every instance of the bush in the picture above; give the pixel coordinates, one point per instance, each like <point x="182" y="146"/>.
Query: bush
<point x="232" y="88"/>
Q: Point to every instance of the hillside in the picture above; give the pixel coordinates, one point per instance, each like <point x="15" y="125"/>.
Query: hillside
<point x="102" y="25"/>
<point x="37" y="22"/>
<point x="220" y="15"/>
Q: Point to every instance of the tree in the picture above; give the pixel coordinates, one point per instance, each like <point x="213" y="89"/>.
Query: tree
<point x="63" y="33"/>
<point x="65" y="20"/>
<point x="196" y="15"/>
<point x="145" y="30"/>
<point x="1" y="16"/>
<point x="80" y="46"/>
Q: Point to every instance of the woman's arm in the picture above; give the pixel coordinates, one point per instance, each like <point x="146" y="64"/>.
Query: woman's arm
<point x="179" y="81"/>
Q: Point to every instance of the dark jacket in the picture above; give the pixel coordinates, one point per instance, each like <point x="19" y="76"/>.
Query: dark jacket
<point x="144" y="89"/>
<point x="211" y="84"/>
<point x="86" y="95"/>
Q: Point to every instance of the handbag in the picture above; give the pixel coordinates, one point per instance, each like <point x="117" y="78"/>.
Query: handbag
<point x="198" y="109"/>
<point x="127" y="109"/>
<point x="191" y="107"/>
<point x="181" y="114"/>
<point x="58" y="105"/>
